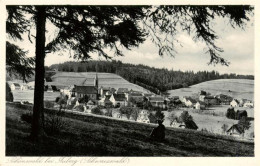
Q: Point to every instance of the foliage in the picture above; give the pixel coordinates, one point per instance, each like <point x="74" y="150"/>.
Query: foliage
<point x="244" y="123"/>
<point x="48" y="104"/>
<point x="17" y="63"/>
<point x="8" y="93"/>
<point x="79" y="108"/>
<point x="185" y="116"/>
<point x="97" y="111"/>
<point x="126" y="111"/>
<point x="152" y="118"/>
<point x="27" y="117"/>
<point x="54" y="123"/>
<point x="172" y="117"/>
<point x="109" y="112"/>
<point x="159" y="115"/>
<point x="231" y="114"/>
<point x="135" y="113"/>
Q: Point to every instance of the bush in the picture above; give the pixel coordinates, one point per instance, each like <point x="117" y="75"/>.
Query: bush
<point x="109" y="112"/>
<point x="53" y="123"/>
<point x="152" y="118"/>
<point x="79" y="108"/>
<point x="48" y="104"/>
<point x="9" y="94"/>
<point x="231" y="114"/>
<point x="96" y="111"/>
<point x="28" y="117"/>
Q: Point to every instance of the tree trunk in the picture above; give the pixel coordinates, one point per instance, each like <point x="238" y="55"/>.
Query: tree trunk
<point x="38" y="107"/>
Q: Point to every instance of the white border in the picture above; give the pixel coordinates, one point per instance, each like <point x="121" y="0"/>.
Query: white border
<point x="237" y="161"/>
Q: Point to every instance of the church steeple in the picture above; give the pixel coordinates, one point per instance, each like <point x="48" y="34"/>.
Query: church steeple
<point x="96" y="78"/>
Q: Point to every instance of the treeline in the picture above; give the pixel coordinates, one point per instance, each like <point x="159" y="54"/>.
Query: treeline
<point x="154" y="79"/>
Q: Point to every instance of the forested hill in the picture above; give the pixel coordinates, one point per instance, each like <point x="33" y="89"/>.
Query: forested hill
<point x="155" y="79"/>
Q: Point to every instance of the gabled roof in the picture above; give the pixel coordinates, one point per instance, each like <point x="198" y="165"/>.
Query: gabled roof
<point x="86" y="89"/>
<point x="191" y="100"/>
<point x="235" y="101"/>
<point x="209" y="97"/>
<point x="16" y="84"/>
<point x="122" y="90"/>
<point x="119" y="97"/>
<point x="156" y="99"/>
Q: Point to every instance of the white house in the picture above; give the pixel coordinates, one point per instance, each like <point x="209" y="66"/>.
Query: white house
<point x="234" y="103"/>
<point x="118" y="100"/>
<point x="248" y="104"/>
<point x="143" y="116"/>
<point x="200" y="105"/>
<point x="189" y="102"/>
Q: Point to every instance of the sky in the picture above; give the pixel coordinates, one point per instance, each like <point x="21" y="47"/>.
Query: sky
<point x="238" y="46"/>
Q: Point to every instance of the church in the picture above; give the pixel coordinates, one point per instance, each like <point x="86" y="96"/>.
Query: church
<point x="91" y="92"/>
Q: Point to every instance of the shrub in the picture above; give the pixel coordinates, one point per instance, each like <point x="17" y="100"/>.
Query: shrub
<point x="109" y="112"/>
<point x="231" y="114"/>
<point x="28" y="117"/>
<point x="48" y="104"/>
<point x="9" y="94"/>
<point x="96" y="111"/>
<point x="53" y="123"/>
<point x="79" y="108"/>
<point x="152" y="118"/>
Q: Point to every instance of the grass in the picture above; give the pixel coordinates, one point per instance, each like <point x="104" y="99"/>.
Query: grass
<point x="95" y="136"/>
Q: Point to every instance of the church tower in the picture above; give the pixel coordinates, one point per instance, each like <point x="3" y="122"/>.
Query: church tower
<point x="96" y="81"/>
<point x="96" y="78"/>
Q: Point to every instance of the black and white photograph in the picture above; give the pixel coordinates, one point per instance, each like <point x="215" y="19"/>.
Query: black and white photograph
<point x="128" y="81"/>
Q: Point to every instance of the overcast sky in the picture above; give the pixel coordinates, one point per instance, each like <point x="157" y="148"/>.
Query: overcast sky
<point x="238" y="48"/>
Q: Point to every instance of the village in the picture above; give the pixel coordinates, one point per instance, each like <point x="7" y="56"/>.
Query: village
<point x="134" y="105"/>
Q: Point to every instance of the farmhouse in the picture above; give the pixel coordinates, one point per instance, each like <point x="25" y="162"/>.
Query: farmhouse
<point x="104" y="90"/>
<point x="17" y="86"/>
<point x="235" y="130"/>
<point x="143" y="116"/>
<point x="249" y="104"/>
<point x="157" y="101"/>
<point x="200" y="105"/>
<point x="122" y="90"/>
<point x="202" y="95"/>
<point x="105" y="101"/>
<point x="210" y="100"/>
<point x="234" y="103"/>
<point x="82" y="91"/>
<point x="189" y="102"/>
<point x="118" y="100"/>
<point x="224" y="99"/>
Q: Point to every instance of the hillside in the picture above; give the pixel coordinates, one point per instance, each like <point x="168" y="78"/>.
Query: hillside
<point x="87" y="78"/>
<point x="154" y="79"/>
<point x="237" y="88"/>
<point x="97" y="136"/>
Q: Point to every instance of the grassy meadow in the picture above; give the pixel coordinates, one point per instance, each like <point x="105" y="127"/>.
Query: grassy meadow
<point x="97" y="136"/>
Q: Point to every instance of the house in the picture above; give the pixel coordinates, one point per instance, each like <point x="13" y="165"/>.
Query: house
<point x="17" y="86"/>
<point x="224" y="99"/>
<point x="31" y="85"/>
<point x="82" y="91"/>
<point x="189" y="102"/>
<point x="143" y="116"/>
<point x="202" y="95"/>
<point x="67" y="90"/>
<point x="200" y="105"/>
<point x="11" y="85"/>
<point x="157" y="101"/>
<point x="104" y="90"/>
<point x="118" y="100"/>
<point x="175" y="123"/>
<point x="105" y="101"/>
<point x="234" y="103"/>
<point x="122" y="90"/>
<point x="242" y="102"/>
<point x="135" y="98"/>
<point x="211" y="100"/>
<point x="249" y="104"/>
<point x="235" y="130"/>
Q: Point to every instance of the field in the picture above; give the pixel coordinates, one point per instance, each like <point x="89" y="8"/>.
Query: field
<point x="237" y="88"/>
<point x="97" y="136"/>
<point x="27" y="95"/>
<point x="87" y="78"/>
